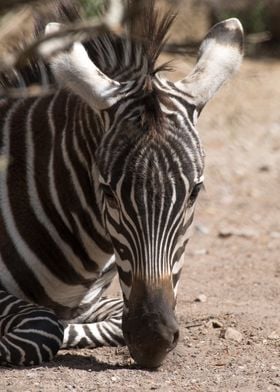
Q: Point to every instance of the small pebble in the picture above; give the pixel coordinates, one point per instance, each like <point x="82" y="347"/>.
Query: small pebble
<point x="225" y="233"/>
<point x="214" y="323"/>
<point x="200" y="252"/>
<point x="201" y="229"/>
<point x="231" y="334"/>
<point x="264" y="168"/>
<point x="274" y="336"/>
<point x="201" y="298"/>
<point x="274" y="234"/>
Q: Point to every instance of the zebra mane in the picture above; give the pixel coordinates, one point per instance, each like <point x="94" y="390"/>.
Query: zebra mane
<point x="126" y="58"/>
<point x="151" y="28"/>
<point x="120" y="58"/>
<point x="145" y="38"/>
<point x="146" y="30"/>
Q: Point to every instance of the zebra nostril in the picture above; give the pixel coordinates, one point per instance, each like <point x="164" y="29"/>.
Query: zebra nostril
<point x="173" y="341"/>
<point x="175" y="338"/>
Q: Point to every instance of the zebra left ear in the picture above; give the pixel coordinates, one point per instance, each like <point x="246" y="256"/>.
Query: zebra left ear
<point x="74" y="70"/>
<point x="220" y="55"/>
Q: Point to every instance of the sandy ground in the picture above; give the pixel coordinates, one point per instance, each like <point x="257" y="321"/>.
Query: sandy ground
<point x="233" y="260"/>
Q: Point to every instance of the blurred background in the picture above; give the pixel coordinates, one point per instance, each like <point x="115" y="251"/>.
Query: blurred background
<point x="260" y="19"/>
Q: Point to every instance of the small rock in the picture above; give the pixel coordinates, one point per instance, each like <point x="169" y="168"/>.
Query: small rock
<point x="225" y="233"/>
<point x="274" y="234"/>
<point x="264" y="168"/>
<point x="274" y="336"/>
<point x="201" y="229"/>
<point x="214" y="323"/>
<point x="201" y="298"/>
<point x="200" y="252"/>
<point x="231" y="334"/>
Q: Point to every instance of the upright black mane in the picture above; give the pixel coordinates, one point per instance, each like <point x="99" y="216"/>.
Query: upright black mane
<point x="118" y="57"/>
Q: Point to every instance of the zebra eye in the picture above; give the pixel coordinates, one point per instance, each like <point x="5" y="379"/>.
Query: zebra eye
<point x="109" y="196"/>
<point x="194" y="193"/>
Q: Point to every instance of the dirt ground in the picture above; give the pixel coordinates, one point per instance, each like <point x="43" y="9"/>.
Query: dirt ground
<point x="232" y="259"/>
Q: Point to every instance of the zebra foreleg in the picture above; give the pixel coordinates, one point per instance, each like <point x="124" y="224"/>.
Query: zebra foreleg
<point x="29" y="334"/>
<point x="99" y="326"/>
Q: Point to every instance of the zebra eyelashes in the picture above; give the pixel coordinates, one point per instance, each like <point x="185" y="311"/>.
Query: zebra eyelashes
<point x="109" y="196"/>
<point x="194" y="193"/>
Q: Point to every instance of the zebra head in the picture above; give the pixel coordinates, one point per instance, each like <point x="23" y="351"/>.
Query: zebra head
<point x="150" y="163"/>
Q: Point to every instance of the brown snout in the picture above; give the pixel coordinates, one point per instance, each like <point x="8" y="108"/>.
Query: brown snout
<point x="150" y="327"/>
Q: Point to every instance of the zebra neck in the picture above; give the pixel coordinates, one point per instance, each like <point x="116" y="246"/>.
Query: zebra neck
<point x="64" y="174"/>
<point x="73" y="186"/>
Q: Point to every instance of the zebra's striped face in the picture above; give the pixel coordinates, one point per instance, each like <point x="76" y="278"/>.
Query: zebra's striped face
<point x="150" y="180"/>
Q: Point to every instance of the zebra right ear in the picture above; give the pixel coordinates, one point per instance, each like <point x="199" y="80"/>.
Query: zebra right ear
<point x="220" y="55"/>
<point x="74" y="70"/>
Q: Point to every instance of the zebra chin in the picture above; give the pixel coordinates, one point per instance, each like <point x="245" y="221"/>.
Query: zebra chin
<point x="150" y="327"/>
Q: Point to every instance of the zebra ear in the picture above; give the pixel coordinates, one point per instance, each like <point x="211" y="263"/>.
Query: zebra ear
<point x="219" y="56"/>
<point x="74" y="70"/>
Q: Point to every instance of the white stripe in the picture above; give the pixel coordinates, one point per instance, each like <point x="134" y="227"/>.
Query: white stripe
<point x="38" y="207"/>
<point x="6" y="341"/>
<point x="51" y="168"/>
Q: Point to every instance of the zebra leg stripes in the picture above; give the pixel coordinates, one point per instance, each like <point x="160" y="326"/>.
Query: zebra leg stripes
<point x="101" y="326"/>
<point x="29" y="334"/>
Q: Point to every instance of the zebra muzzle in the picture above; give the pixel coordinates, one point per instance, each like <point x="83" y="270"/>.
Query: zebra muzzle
<point x="150" y="327"/>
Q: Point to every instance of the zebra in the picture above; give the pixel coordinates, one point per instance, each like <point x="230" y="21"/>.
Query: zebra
<point x="100" y="178"/>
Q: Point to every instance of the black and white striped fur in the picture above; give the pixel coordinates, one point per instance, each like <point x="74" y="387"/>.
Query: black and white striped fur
<point x="101" y="174"/>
